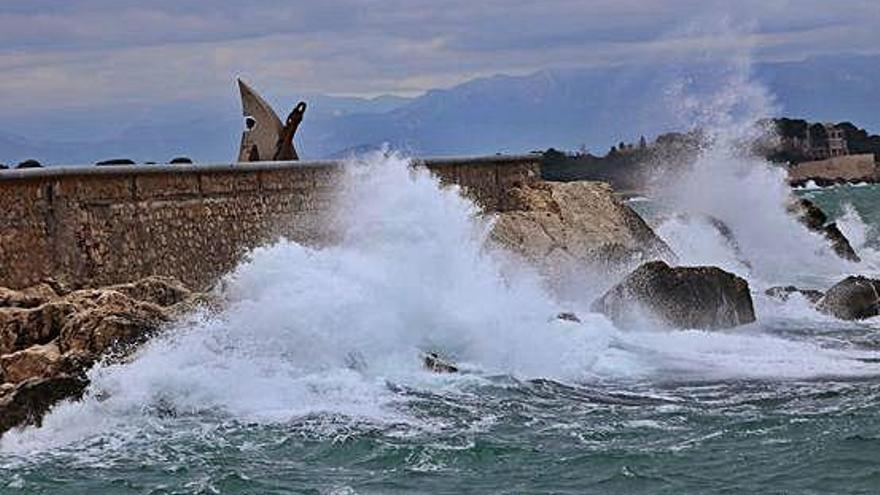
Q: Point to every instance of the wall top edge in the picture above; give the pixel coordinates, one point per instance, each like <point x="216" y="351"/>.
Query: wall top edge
<point x="128" y="170"/>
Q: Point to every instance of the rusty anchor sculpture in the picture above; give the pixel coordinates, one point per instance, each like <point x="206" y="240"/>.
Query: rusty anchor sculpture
<point x="265" y="138"/>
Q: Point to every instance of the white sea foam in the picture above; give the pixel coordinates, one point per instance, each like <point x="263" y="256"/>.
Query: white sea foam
<point x="339" y="329"/>
<point x="323" y="330"/>
<point x="729" y="182"/>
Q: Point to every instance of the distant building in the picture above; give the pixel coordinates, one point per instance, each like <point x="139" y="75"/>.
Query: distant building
<point x="802" y="141"/>
<point x="826" y="141"/>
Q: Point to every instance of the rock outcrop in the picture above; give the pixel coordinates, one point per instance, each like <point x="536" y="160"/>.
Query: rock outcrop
<point x="784" y="293"/>
<point x="815" y="219"/>
<point x="560" y="227"/>
<point x="163" y="291"/>
<point x="27" y="402"/>
<point x="853" y="298"/>
<point x="113" y="320"/>
<point x="49" y="337"/>
<point x="41" y="361"/>
<point x="27" y="298"/>
<point x="433" y="362"/>
<point x="679" y="297"/>
<point x="21" y="328"/>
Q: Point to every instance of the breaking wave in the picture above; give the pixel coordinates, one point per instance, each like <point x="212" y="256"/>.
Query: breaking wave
<point x="727" y="183"/>
<point x="340" y="330"/>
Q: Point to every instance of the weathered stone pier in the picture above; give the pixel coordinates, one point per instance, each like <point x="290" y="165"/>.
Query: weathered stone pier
<point x="94" y="226"/>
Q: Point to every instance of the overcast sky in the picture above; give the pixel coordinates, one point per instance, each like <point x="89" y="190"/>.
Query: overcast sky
<point x="56" y="54"/>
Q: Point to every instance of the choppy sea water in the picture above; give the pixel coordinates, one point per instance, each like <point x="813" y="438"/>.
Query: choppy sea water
<point x="503" y="436"/>
<point x="310" y="382"/>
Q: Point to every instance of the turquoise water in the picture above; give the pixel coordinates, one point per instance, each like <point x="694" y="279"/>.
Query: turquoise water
<point x="864" y="198"/>
<point x="509" y="437"/>
<point x="311" y="382"/>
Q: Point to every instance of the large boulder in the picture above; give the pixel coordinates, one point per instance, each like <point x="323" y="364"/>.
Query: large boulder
<point x="853" y="298"/>
<point x="560" y="227"/>
<point x="702" y="297"/>
<point x="815" y="219"/>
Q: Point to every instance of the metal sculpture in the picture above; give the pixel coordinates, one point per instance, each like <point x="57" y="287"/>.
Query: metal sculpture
<point x="265" y="137"/>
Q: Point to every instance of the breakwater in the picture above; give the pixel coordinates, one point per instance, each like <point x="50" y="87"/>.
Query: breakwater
<point x="848" y="168"/>
<point x="94" y="226"/>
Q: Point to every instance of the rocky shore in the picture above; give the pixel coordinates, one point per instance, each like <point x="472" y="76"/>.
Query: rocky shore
<point x="50" y="336"/>
<point x="568" y="230"/>
<point x="846" y="169"/>
<point x="853" y="298"/>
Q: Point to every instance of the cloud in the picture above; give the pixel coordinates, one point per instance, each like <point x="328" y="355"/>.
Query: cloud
<point x="62" y="53"/>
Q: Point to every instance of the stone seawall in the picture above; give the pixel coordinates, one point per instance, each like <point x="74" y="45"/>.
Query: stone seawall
<point x="95" y="226"/>
<point x="849" y="168"/>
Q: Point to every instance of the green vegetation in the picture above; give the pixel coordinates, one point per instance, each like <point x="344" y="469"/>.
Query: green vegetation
<point x="793" y="133"/>
<point x="627" y="166"/>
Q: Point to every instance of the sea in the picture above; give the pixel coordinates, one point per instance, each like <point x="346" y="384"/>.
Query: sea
<point x="310" y="380"/>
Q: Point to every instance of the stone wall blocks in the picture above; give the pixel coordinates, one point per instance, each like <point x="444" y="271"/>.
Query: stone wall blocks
<point x="93" y="229"/>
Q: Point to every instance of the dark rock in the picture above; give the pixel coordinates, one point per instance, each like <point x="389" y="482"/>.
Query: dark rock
<point x="117" y="161"/>
<point x="29" y="164"/>
<point x="726" y="232"/>
<point x="816" y="220"/>
<point x="840" y="243"/>
<point x="180" y="160"/>
<point x="433" y="362"/>
<point x="810" y="215"/>
<point x="354" y="360"/>
<point x="783" y="293"/>
<point x="567" y="316"/>
<point x="4" y="166"/>
<point x="854" y="298"/>
<point x="680" y="297"/>
<point x="29" y="401"/>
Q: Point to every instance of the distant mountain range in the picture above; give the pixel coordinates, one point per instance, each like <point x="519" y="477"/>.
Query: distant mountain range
<point x="564" y="109"/>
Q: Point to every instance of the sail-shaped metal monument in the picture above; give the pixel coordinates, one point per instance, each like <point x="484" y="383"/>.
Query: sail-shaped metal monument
<point x="265" y="137"/>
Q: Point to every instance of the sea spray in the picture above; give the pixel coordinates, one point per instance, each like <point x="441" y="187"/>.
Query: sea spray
<point x="334" y="336"/>
<point x="728" y="182"/>
<point x="311" y="331"/>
